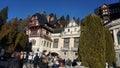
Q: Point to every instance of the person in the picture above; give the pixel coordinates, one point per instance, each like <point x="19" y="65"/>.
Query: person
<point x="74" y="63"/>
<point x="55" y="64"/>
<point x="44" y="62"/>
<point x="36" y="60"/>
<point x="14" y="62"/>
<point x="21" y="59"/>
<point x="68" y="62"/>
<point x="114" y="65"/>
<point x="6" y="56"/>
<point x="30" y="58"/>
<point x="61" y="64"/>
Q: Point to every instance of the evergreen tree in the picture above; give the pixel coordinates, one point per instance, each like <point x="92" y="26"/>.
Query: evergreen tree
<point x="78" y="21"/>
<point x="92" y="43"/>
<point x="62" y="21"/>
<point x="44" y="18"/>
<point x="12" y="35"/>
<point x="3" y="16"/>
<point x="53" y="17"/>
<point x="26" y="21"/>
<point x="67" y="19"/>
<point x="110" y="51"/>
<point x="21" y="41"/>
<point x="22" y="25"/>
<point x="74" y="18"/>
<point x="51" y="14"/>
<point x="13" y="31"/>
<point x="8" y="35"/>
<point x="44" y="13"/>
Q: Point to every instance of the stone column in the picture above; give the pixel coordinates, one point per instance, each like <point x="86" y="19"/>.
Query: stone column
<point x="115" y="37"/>
<point x="71" y="42"/>
<point x="71" y="55"/>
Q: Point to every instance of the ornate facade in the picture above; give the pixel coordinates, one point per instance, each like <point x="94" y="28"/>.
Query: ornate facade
<point x="62" y="41"/>
<point x="66" y="42"/>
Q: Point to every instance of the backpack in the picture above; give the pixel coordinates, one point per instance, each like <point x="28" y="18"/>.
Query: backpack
<point x="36" y="59"/>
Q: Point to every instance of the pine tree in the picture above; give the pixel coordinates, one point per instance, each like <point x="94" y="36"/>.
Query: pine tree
<point x="78" y="20"/>
<point x="67" y="20"/>
<point x="92" y="43"/>
<point x="44" y="18"/>
<point x="3" y="16"/>
<point x="62" y="21"/>
<point x="74" y="18"/>
<point x="53" y="17"/>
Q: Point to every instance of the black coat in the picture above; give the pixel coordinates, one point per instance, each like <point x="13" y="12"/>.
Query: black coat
<point x="14" y="63"/>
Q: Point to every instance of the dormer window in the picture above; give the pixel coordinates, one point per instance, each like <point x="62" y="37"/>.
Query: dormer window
<point x="104" y="6"/>
<point x="105" y="10"/>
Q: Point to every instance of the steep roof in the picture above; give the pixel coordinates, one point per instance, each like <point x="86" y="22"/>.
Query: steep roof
<point x="57" y="30"/>
<point x="41" y="18"/>
<point x="43" y="21"/>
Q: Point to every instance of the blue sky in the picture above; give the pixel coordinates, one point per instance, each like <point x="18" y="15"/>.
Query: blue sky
<point x="77" y="8"/>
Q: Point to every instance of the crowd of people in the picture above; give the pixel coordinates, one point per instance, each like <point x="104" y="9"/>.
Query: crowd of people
<point x="49" y="61"/>
<point x="18" y="59"/>
<point x="11" y="60"/>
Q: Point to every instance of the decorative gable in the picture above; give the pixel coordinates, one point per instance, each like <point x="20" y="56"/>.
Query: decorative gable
<point x="72" y="23"/>
<point x="104" y="6"/>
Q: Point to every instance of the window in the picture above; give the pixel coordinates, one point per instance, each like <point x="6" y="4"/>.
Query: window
<point x="50" y="45"/>
<point x="33" y="41"/>
<point x="66" y="43"/>
<point x="105" y="11"/>
<point x="76" y="53"/>
<point x="76" y="42"/>
<point x="118" y="36"/>
<point x="75" y="29"/>
<point x="34" y="32"/>
<point x="55" y="44"/>
<point x="47" y="44"/>
<point x="68" y="30"/>
<point x="44" y="43"/>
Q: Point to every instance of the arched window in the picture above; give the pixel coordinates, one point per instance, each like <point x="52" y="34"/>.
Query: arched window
<point x="118" y="36"/>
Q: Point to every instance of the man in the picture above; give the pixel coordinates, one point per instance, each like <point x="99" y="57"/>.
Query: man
<point x="36" y="60"/>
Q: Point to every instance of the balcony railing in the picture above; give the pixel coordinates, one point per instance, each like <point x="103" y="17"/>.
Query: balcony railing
<point x="47" y="37"/>
<point x="64" y="49"/>
<point x="74" y="49"/>
<point x="69" y="49"/>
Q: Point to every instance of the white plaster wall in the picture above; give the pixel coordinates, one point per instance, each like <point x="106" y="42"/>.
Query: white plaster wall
<point x="40" y="44"/>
